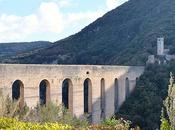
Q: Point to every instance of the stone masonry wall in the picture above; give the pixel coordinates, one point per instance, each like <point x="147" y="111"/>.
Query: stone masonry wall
<point x="32" y="75"/>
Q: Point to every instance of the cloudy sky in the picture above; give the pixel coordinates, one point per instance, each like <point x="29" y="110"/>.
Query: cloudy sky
<point x="51" y="20"/>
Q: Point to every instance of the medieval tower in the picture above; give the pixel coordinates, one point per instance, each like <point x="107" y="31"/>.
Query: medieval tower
<point x="160" y="46"/>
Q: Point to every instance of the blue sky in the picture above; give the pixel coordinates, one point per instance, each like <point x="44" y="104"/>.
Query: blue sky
<point x="50" y="20"/>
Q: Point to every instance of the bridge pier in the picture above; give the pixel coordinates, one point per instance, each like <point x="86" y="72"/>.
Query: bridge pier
<point x="109" y="97"/>
<point x="31" y="96"/>
<point x="78" y="105"/>
<point x="96" y="97"/>
<point x="122" y="90"/>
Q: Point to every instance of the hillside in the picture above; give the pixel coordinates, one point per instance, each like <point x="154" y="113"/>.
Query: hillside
<point x="143" y="107"/>
<point x="8" y="50"/>
<point x="125" y="35"/>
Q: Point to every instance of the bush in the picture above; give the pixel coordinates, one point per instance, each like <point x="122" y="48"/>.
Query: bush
<point x="48" y="117"/>
<point x="116" y="124"/>
<point x="49" y="113"/>
<point x="9" y="108"/>
<point x="13" y="124"/>
<point x="53" y="113"/>
<point x="165" y="124"/>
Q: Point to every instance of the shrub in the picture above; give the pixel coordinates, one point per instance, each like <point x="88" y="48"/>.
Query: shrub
<point x="48" y="117"/>
<point x="13" y="124"/>
<point x="116" y="124"/>
<point x="165" y="124"/>
<point x="168" y="111"/>
<point x="10" y="108"/>
<point x="54" y="113"/>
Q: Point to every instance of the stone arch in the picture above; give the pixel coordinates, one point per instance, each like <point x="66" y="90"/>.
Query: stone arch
<point x="18" y="92"/>
<point x="67" y="94"/>
<point x="44" y="92"/>
<point x="102" y="101"/>
<point x="87" y="96"/>
<point x="127" y="91"/>
<point x="116" y="95"/>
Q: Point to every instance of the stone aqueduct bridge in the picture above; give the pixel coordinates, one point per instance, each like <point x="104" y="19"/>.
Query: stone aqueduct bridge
<point x="95" y="89"/>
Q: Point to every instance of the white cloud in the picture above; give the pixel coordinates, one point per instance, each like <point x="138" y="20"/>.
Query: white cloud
<point x="30" y="24"/>
<point x="48" y="19"/>
<point x="111" y="4"/>
<point x="9" y="26"/>
<point x="63" y="3"/>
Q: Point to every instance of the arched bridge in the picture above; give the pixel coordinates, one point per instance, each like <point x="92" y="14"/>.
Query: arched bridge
<point x="95" y="89"/>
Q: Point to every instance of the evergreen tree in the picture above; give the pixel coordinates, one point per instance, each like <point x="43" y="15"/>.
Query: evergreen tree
<point x="168" y="123"/>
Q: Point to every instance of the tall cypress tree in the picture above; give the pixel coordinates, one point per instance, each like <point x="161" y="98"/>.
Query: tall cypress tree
<point x="168" y="122"/>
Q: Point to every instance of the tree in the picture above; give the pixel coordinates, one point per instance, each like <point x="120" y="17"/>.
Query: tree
<point x="168" y="123"/>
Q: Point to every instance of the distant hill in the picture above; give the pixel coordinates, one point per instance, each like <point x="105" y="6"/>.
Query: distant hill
<point x="8" y="50"/>
<point x="125" y="35"/>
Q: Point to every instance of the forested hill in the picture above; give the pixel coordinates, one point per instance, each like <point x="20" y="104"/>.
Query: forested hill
<point x="125" y="35"/>
<point x="21" y="48"/>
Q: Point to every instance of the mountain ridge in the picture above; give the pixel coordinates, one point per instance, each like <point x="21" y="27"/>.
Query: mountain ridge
<point x="123" y="36"/>
<point x="9" y="50"/>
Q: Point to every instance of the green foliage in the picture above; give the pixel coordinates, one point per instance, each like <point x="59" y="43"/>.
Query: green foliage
<point x="143" y="108"/>
<point x="49" y="113"/>
<point x="14" y="124"/>
<point x="164" y="123"/>
<point x="112" y="122"/>
<point x="9" y="108"/>
<point x="20" y="49"/>
<point x="48" y="117"/>
<point x="54" y="113"/>
<point x="169" y="107"/>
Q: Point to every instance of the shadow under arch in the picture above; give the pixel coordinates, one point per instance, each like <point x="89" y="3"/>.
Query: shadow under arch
<point x="44" y="92"/>
<point x="127" y="90"/>
<point x="18" y="92"/>
<point x="102" y="99"/>
<point x="67" y="94"/>
<point x="87" y="96"/>
<point x="116" y="95"/>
